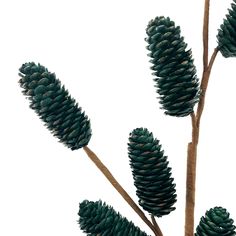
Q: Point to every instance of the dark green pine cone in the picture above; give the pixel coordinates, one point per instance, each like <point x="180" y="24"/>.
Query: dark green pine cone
<point x="216" y="222"/>
<point x="96" y="218"/>
<point x="152" y="176"/>
<point x="227" y="34"/>
<point x="54" y="105"/>
<point x="176" y="79"/>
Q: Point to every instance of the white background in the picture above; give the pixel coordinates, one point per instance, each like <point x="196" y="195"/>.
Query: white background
<point x="97" y="49"/>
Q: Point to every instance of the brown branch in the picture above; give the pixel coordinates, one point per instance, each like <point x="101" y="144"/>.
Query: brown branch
<point x="205" y="34"/>
<point x="194" y="127"/>
<point x="156" y="225"/>
<point x="191" y="180"/>
<point x="120" y="189"/>
<point x="192" y="151"/>
<point x="204" y="85"/>
<point x="192" y="146"/>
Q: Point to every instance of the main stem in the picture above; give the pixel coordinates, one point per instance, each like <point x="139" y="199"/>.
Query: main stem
<point x="191" y="179"/>
<point x="155" y="228"/>
<point x="192" y="146"/>
<point x="192" y="152"/>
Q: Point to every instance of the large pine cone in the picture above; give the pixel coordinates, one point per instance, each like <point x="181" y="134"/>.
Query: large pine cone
<point x="176" y="80"/>
<point x="216" y="222"/>
<point x="54" y="105"/>
<point x="96" y="218"/>
<point x="152" y="176"/>
<point x="227" y="34"/>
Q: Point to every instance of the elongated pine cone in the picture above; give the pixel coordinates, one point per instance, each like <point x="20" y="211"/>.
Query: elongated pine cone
<point x="227" y="34"/>
<point x="54" y="105"/>
<point x="174" y="70"/>
<point x="216" y="222"/>
<point x="96" y="218"/>
<point x="152" y="176"/>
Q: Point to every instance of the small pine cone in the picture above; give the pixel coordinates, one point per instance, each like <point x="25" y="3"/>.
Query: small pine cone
<point x="176" y="80"/>
<point x="54" y="105"/>
<point x="227" y="34"/>
<point x="152" y="176"/>
<point x="216" y="222"/>
<point x="96" y="218"/>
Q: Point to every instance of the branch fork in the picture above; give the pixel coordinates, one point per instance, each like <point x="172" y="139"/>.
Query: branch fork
<point x="196" y="118"/>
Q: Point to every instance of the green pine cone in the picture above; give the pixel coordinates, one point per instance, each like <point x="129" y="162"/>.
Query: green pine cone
<point x="176" y="79"/>
<point x="96" y="218"/>
<point x="227" y="34"/>
<point x="54" y="105"/>
<point x="152" y="176"/>
<point x="216" y="222"/>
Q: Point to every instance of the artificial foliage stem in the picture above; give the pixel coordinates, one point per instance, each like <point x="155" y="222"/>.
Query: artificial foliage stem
<point x="155" y="224"/>
<point x="121" y="190"/>
<point x="205" y="34"/>
<point x="204" y="85"/>
<point x="192" y="151"/>
<point x="192" y="146"/>
<point x="191" y="179"/>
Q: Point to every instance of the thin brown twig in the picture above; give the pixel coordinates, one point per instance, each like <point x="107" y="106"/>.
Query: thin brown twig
<point x="155" y="224"/>
<point x="120" y="189"/>
<point x="204" y="85"/>
<point x="205" y="34"/>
